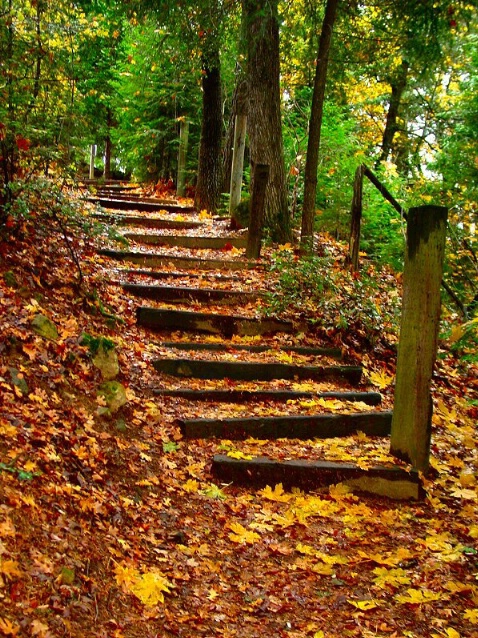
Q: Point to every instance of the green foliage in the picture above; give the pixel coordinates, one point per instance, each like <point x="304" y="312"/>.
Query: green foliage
<point x="319" y="289"/>
<point x="94" y="344"/>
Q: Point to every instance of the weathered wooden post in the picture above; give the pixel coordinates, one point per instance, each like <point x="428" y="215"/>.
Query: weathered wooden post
<point x="412" y="413"/>
<point x="237" y="161"/>
<point x="183" y="148"/>
<point x="354" y="243"/>
<point x="256" y="210"/>
<point x="92" y="161"/>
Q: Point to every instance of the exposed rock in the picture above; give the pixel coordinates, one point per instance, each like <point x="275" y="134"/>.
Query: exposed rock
<point x="114" y="394"/>
<point x="18" y="380"/>
<point x="44" y="327"/>
<point x="10" y="279"/>
<point x="106" y="360"/>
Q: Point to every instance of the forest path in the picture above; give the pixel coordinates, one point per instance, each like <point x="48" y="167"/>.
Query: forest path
<point x="235" y="373"/>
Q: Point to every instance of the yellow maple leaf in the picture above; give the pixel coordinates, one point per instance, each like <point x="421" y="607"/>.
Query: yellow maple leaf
<point x="418" y="596"/>
<point x="363" y="605"/>
<point x="380" y="379"/>
<point x="150" y="588"/>
<point x="305" y="549"/>
<point x="7" y="628"/>
<point x="191" y="485"/>
<point x="276" y="494"/>
<point x="38" y="628"/>
<point x="126" y="576"/>
<point x="391" y="577"/>
<point x="471" y="615"/>
<point x="322" y="569"/>
<point x="9" y="568"/>
<point x="237" y="454"/>
<point x="240" y="534"/>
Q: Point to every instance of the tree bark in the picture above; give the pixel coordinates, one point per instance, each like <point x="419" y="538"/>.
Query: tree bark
<point x="237" y="161"/>
<point x="257" y="210"/>
<point x="412" y="413"/>
<point x="183" y="148"/>
<point x="391" y="125"/>
<point x="261" y="25"/>
<point x="210" y="162"/>
<point x="108" y="145"/>
<point x="315" y="125"/>
<point x="238" y="107"/>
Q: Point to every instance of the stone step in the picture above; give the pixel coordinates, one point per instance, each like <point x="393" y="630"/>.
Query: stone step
<point x="188" y="263"/>
<point x="226" y="325"/>
<point x="179" y="294"/>
<point x="255" y="371"/>
<point x="158" y="274"/>
<point x="393" y="482"/>
<point x="183" y="241"/>
<point x="133" y="197"/>
<point x="146" y="206"/>
<point x="334" y="353"/>
<point x="320" y="426"/>
<point x="147" y="222"/>
<point x="244" y="396"/>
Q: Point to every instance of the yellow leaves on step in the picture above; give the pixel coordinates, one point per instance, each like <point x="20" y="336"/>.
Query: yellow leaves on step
<point x="380" y="379"/>
<point x="364" y="605"/>
<point x="390" y="577"/>
<point x="149" y="587"/>
<point x="277" y="494"/>
<point x="7" y="628"/>
<point x="240" y="534"/>
<point x="418" y="597"/>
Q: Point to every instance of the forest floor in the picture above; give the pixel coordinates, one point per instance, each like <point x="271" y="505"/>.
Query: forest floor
<point x="113" y="526"/>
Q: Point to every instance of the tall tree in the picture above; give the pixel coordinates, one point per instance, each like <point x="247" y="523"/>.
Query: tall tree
<point x="315" y="124"/>
<point x="209" y="182"/>
<point x="261" y="27"/>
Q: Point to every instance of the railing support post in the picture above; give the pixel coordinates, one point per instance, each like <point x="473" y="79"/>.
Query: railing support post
<point x="354" y="243"/>
<point x="412" y="414"/>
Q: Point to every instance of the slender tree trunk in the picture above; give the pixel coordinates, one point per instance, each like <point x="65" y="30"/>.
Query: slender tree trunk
<point x="261" y="27"/>
<point x="108" y="145"/>
<point x="391" y="126"/>
<point x="210" y="161"/>
<point x="257" y="203"/>
<point x="315" y="125"/>
<point x="238" y="107"/>
<point x="183" y="149"/>
<point x="237" y="161"/>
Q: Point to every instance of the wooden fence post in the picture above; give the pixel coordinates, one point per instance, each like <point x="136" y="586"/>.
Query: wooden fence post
<point x="256" y="210"/>
<point x="354" y="242"/>
<point x="412" y="414"/>
<point x="183" y="147"/>
<point x="237" y="161"/>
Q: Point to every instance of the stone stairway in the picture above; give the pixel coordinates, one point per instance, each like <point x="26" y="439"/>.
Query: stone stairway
<point x="198" y="314"/>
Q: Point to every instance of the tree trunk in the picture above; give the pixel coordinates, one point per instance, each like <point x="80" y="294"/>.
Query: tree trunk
<point x="108" y="145"/>
<point x="238" y="107"/>
<point x="237" y="161"/>
<point x="256" y="211"/>
<point x="183" y="148"/>
<point x="412" y="413"/>
<point x="315" y="125"/>
<point x="210" y="162"/>
<point x="391" y="126"/>
<point x="92" y="160"/>
<point x="261" y="27"/>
